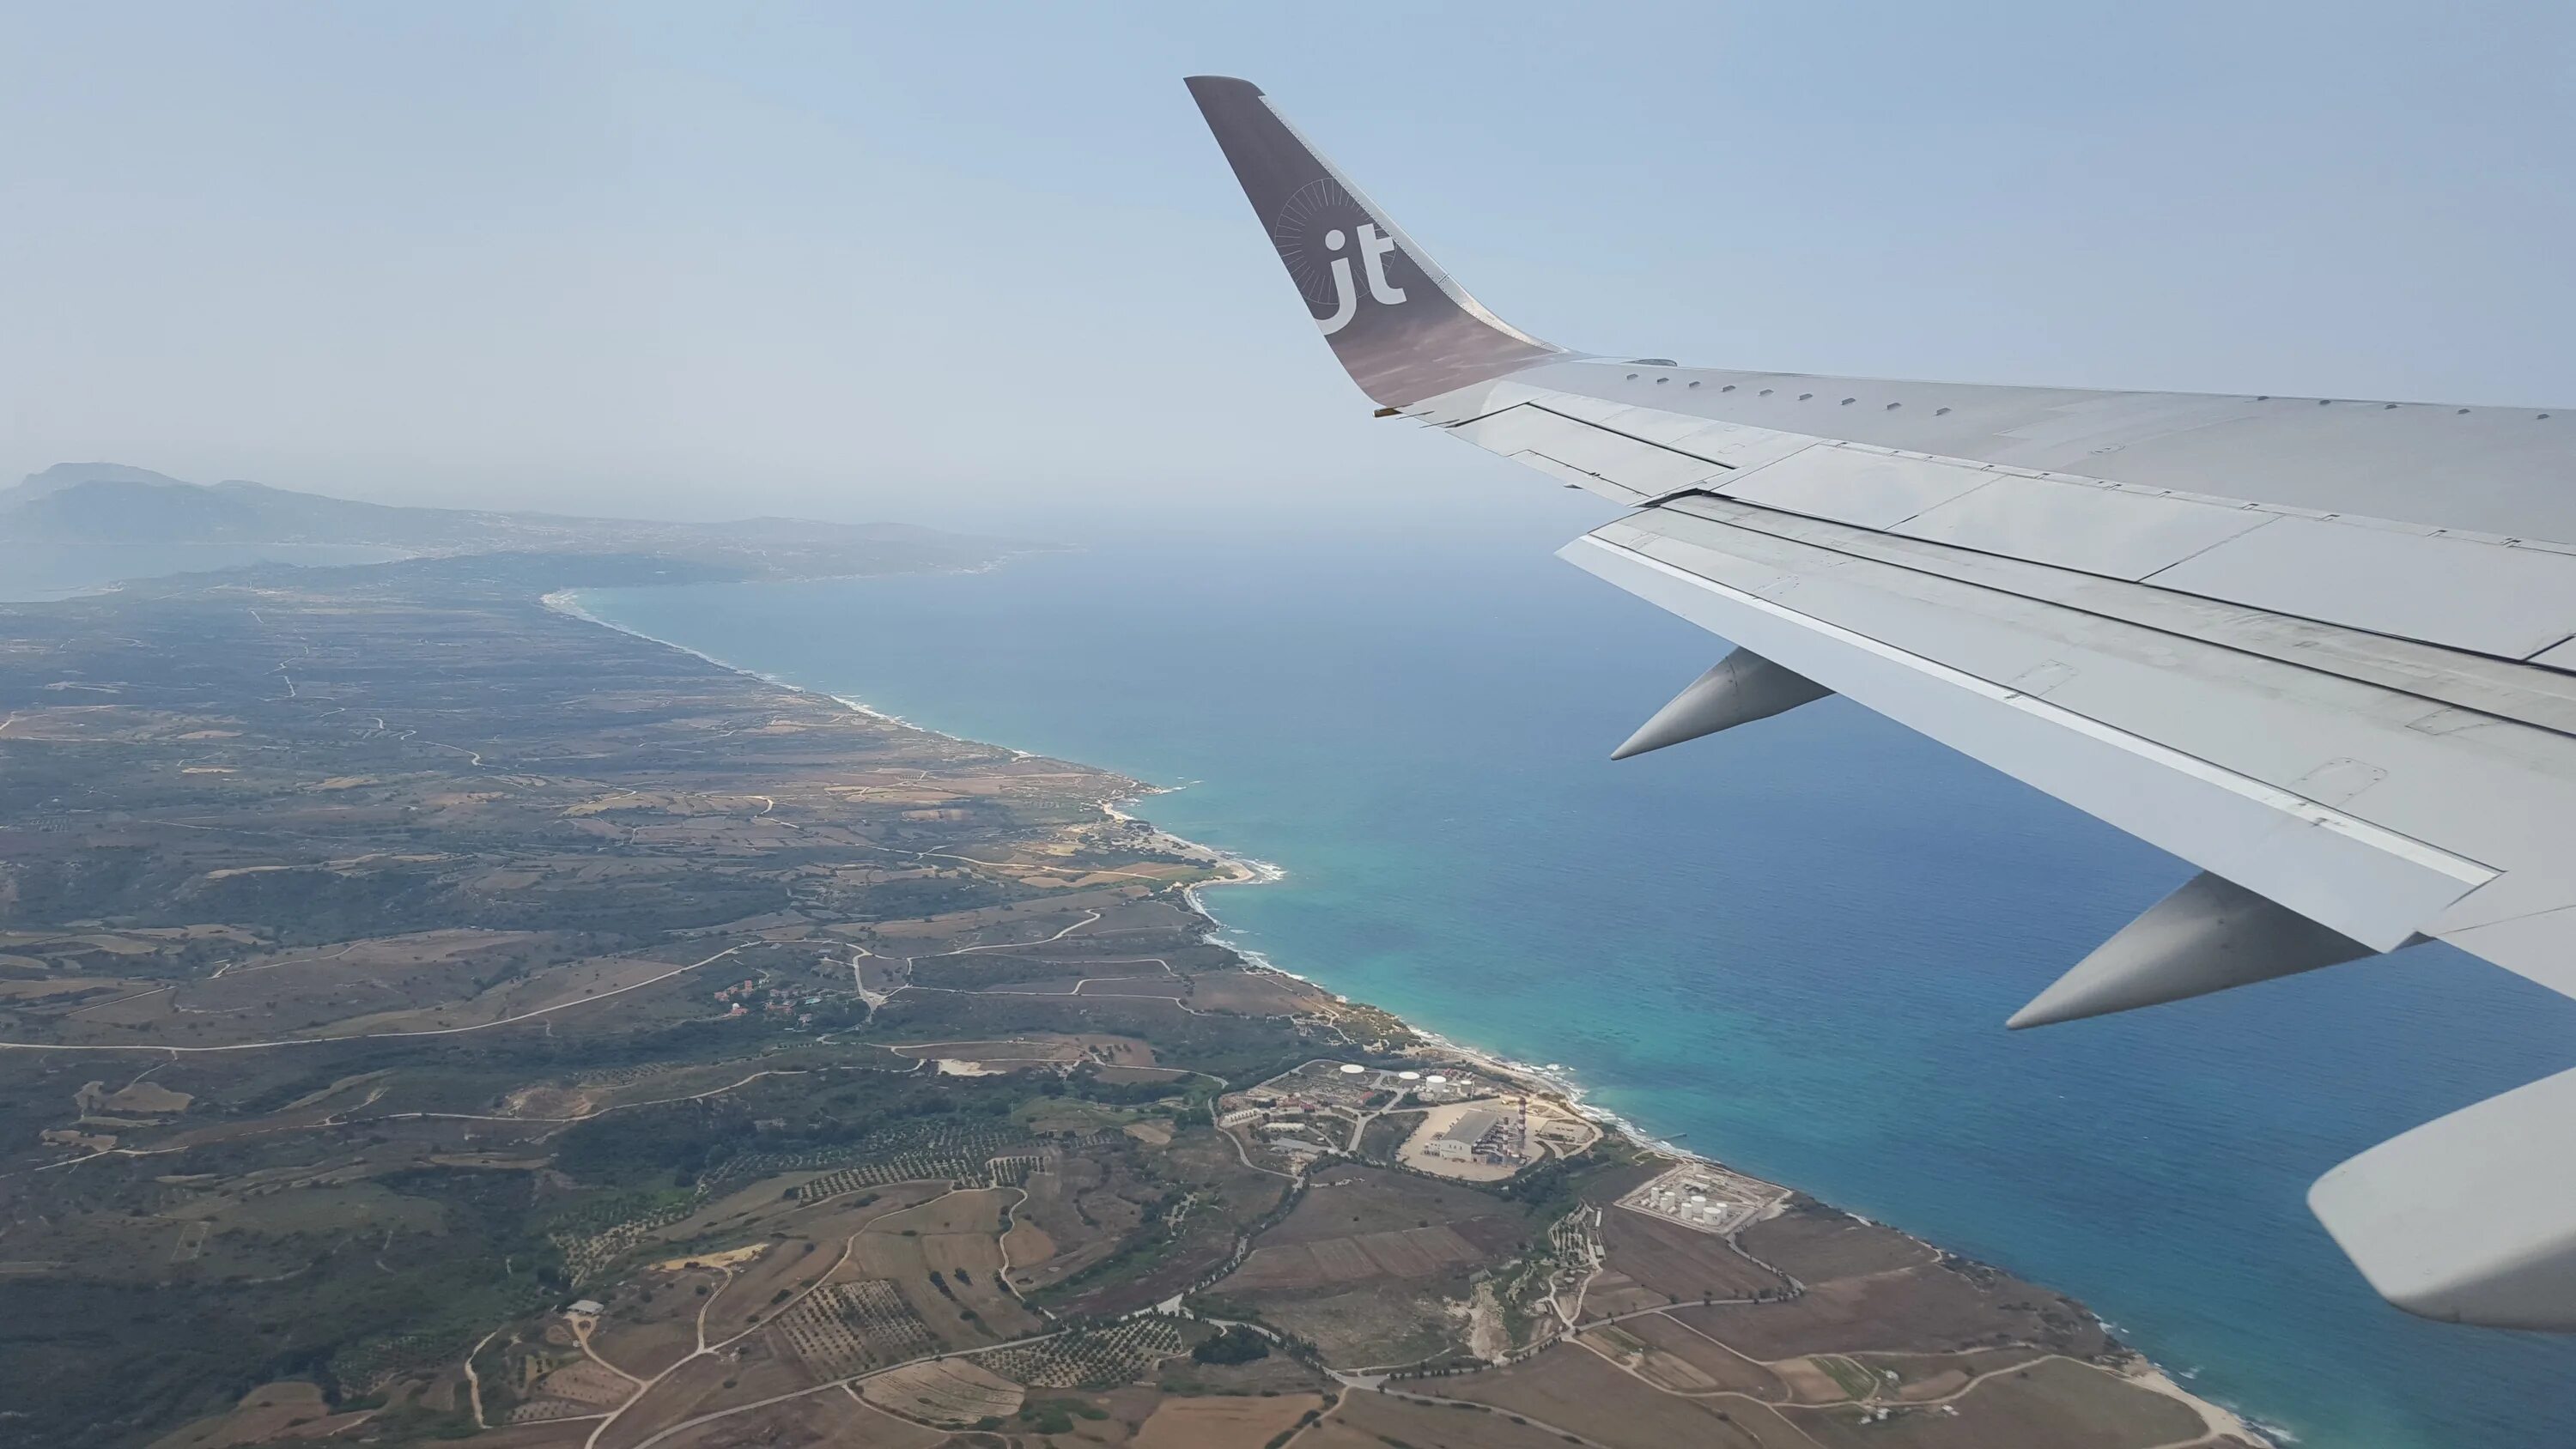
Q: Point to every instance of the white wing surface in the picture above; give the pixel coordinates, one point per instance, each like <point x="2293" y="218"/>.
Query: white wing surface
<point x="2323" y="648"/>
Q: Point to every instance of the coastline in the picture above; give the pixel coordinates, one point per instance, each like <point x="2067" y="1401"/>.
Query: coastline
<point x="1551" y="1079"/>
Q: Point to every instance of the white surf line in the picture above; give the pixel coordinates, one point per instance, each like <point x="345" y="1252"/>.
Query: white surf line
<point x="292" y="1041"/>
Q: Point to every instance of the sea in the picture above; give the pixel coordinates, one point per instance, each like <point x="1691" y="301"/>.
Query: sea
<point x="1790" y="947"/>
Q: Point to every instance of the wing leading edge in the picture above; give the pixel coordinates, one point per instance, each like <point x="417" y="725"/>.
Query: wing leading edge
<point x="2320" y="648"/>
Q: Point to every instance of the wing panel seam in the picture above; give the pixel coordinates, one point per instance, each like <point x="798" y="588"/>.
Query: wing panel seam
<point x="1631" y="437"/>
<point x="2388" y="679"/>
<point x="2470" y="873"/>
<point x="2148" y="577"/>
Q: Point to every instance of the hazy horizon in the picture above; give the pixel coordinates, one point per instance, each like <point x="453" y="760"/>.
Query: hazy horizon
<point x="985" y="270"/>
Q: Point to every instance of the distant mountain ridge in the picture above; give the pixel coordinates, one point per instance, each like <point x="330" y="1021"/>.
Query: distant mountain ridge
<point x="64" y="475"/>
<point x="118" y="503"/>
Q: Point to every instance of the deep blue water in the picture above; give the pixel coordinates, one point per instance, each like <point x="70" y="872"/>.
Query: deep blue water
<point x="1793" y="945"/>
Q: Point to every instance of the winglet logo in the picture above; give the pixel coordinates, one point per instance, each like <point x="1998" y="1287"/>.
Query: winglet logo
<point x="1318" y="233"/>
<point x="1373" y="250"/>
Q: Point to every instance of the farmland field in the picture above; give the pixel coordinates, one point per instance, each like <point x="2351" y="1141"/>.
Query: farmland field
<point x="952" y="1391"/>
<point x="1223" y="1423"/>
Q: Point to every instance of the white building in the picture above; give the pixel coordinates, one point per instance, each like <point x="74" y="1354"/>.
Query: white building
<point x="1469" y="1138"/>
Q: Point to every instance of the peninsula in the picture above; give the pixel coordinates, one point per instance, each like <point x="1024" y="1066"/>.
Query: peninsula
<point x="428" y="1015"/>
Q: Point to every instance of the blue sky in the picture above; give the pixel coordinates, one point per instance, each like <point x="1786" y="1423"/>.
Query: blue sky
<point x="981" y="264"/>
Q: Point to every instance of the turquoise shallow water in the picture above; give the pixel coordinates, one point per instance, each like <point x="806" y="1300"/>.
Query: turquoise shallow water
<point x="1793" y="946"/>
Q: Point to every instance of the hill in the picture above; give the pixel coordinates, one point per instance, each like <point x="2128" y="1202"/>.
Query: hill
<point x="115" y="503"/>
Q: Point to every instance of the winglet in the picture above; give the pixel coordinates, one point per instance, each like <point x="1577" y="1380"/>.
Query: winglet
<point x="1401" y="328"/>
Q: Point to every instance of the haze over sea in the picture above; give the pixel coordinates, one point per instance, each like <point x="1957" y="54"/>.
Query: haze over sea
<point x="1792" y="946"/>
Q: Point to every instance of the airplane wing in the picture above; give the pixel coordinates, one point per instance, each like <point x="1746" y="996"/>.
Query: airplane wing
<point x="2322" y="648"/>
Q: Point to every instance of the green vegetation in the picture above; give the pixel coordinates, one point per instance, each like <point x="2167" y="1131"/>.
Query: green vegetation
<point x="1855" y="1380"/>
<point x="1057" y="1416"/>
<point x="1233" y="1344"/>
